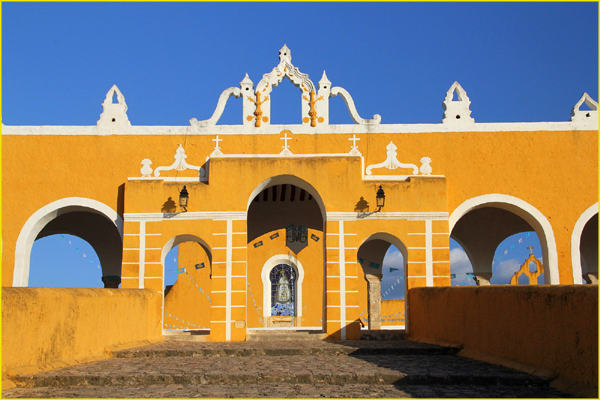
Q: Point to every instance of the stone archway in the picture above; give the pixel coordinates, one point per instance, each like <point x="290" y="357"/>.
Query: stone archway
<point x="89" y="219"/>
<point x="187" y="302"/>
<point x="584" y="247"/>
<point x="285" y="226"/>
<point x="370" y="256"/>
<point x="480" y="224"/>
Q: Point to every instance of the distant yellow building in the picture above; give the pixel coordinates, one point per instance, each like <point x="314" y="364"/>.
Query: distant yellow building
<point x="282" y="228"/>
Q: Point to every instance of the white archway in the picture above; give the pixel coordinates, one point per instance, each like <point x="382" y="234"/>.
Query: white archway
<point x="576" y="242"/>
<point x="266" y="270"/>
<point x="288" y="180"/>
<point x="182" y="239"/>
<point x="529" y="214"/>
<point x="388" y="237"/>
<point x="42" y="217"/>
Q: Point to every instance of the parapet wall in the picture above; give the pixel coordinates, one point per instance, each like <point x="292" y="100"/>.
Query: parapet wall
<point x="553" y="327"/>
<point x="44" y="327"/>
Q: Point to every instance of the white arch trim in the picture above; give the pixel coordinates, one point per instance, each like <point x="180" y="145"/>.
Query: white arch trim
<point x="576" y="242"/>
<point x="529" y="213"/>
<point x="182" y="239"/>
<point x="391" y="239"/>
<point x="272" y="262"/>
<point x="42" y="217"/>
<point x="288" y="180"/>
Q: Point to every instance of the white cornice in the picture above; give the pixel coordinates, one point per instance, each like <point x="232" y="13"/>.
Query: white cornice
<point x="241" y="215"/>
<point x="303" y="129"/>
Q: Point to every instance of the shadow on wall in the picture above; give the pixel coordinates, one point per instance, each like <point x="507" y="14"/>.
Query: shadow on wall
<point x="169" y="206"/>
<point x="362" y="205"/>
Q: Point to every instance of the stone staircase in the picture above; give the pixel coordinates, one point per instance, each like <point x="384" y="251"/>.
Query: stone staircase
<point x="268" y="368"/>
<point x="283" y="335"/>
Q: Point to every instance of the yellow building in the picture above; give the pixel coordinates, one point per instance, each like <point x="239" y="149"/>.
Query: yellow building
<point x="282" y="227"/>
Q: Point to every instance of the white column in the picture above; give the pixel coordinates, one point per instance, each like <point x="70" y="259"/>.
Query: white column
<point x="428" y="252"/>
<point x="142" y="253"/>
<point x="342" y="249"/>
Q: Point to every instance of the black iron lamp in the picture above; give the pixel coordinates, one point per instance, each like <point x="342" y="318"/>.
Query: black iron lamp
<point x="380" y="198"/>
<point x="183" y="198"/>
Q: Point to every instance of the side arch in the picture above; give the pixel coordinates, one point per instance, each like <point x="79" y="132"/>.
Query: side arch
<point x="576" y="242"/>
<point x="267" y="267"/>
<point x="38" y="220"/>
<point x="528" y="213"/>
<point x="388" y="237"/>
<point x="175" y="241"/>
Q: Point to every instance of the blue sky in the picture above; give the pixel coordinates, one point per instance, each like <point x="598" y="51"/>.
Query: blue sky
<point x="517" y="61"/>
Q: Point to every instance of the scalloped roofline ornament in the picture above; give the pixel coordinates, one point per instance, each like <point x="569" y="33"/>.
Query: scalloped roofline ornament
<point x="583" y="115"/>
<point x="257" y="103"/>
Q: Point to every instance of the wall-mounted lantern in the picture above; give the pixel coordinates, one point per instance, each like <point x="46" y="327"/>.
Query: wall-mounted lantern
<point x="380" y="198"/>
<point x="183" y="198"/>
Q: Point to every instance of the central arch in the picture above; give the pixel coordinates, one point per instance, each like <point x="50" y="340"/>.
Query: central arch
<point x="285" y="227"/>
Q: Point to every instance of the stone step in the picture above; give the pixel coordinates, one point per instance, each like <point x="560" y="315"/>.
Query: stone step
<point x="286" y="348"/>
<point x="283" y="390"/>
<point x="285" y="335"/>
<point x="383" y="334"/>
<point x="186" y="336"/>
<point x="399" y="370"/>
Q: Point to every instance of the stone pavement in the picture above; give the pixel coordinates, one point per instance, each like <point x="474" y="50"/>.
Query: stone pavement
<point x="302" y="369"/>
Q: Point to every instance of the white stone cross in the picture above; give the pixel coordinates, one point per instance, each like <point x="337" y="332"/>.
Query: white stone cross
<point x="217" y="140"/>
<point x="286" y="149"/>
<point x="354" y="149"/>
<point x="531" y="249"/>
<point x="286" y="139"/>
<point x="217" y="151"/>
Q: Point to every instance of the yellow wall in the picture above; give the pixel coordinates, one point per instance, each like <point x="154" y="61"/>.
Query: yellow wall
<point x="43" y="325"/>
<point x="554" y="327"/>
<point x="392" y="312"/>
<point x="474" y="163"/>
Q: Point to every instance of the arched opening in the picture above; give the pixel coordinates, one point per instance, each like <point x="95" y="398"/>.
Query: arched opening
<point x="282" y="279"/>
<point x="481" y="224"/>
<point x="286" y="104"/>
<point x="378" y="252"/>
<point x="65" y="261"/>
<point x="90" y="220"/>
<point x="508" y="258"/>
<point x="584" y="247"/>
<point x="285" y="223"/>
<point x="187" y="284"/>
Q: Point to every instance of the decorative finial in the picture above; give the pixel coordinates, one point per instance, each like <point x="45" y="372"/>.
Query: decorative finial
<point x="324" y="83"/>
<point x="285" y="54"/>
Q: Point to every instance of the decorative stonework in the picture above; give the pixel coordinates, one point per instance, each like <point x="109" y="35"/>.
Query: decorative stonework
<point x="114" y="115"/>
<point x="391" y="162"/>
<point x="425" y="167"/>
<point x="354" y="150"/>
<point x="352" y="108"/>
<point x="146" y="170"/>
<point x="217" y="151"/>
<point x="286" y="148"/>
<point x="179" y="165"/>
<point x="232" y="91"/>
<point x="257" y="103"/>
<point x="457" y="112"/>
<point x="578" y="115"/>
<point x="524" y="270"/>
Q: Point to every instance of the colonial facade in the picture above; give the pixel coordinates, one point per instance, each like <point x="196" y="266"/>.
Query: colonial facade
<point x="282" y="227"/>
